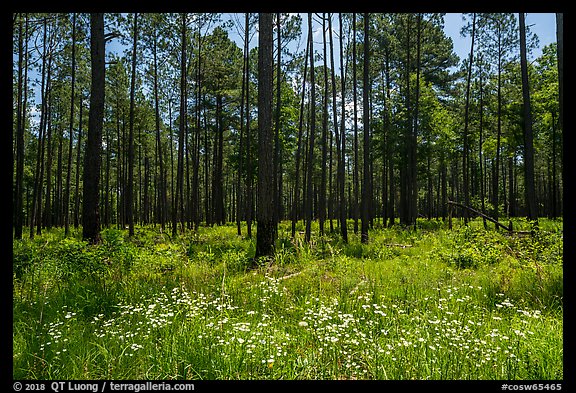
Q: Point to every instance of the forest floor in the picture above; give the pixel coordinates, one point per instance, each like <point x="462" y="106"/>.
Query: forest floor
<point x="430" y="303"/>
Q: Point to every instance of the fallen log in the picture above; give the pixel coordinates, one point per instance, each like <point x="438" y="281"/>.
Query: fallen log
<point x="509" y="229"/>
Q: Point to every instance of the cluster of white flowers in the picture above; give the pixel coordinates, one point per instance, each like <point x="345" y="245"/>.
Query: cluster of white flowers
<point x="447" y="323"/>
<point x="57" y="333"/>
<point x="268" y="288"/>
<point x="353" y="335"/>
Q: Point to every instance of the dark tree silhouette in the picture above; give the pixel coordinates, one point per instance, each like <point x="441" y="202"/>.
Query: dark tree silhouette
<point x="93" y="156"/>
<point x="530" y="188"/>
<point x="366" y="186"/>
<point x="265" y="210"/>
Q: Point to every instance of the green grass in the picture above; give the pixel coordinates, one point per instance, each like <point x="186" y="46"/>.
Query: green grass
<point x="430" y="303"/>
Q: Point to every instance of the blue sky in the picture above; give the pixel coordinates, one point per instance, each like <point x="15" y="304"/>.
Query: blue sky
<point x="543" y="24"/>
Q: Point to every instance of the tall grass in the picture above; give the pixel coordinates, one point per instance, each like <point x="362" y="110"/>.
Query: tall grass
<point x="412" y="304"/>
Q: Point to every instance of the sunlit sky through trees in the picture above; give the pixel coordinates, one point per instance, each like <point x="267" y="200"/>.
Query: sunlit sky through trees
<point x="542" y="24"/>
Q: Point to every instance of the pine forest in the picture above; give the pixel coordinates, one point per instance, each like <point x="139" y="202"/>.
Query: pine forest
<point x="293" y="196"/>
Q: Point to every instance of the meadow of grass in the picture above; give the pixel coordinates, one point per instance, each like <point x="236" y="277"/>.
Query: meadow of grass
<point x="430" y="303"/>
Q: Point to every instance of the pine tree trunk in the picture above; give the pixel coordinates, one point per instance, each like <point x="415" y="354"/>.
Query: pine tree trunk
<point x="107" y="180"/>
<point x="146" y="202"/>
<point x="529" y="182"/>
<point x="366" y="188"/>
<point x="44" y="218"/>
<point x="495" y="168"/>
<point x="71" y="129"/>
<point x="405" y="172"/>
<point x="58" y="199"/>
<point x="296" y="200"/>
<point x="217" y="208"/>
<point x="480" y="155"/>
<point x="249" y="180"/>
<point x="47" y="213"/>
<point x="221" y="185"/>
<point x="20" y="125"/>
<point x="323" y="141"/>
<point x="78" y="155"/>
<point x="340" y="152"/>
<point x="388" y="149"/>
<point x="554" y="180"/>
<point x="444" y="187"/>
<point x="266" y="217"/>
<point x="277" y="146"/>
<point x="178" y="210"/>
<point x="340" y="145"/>
<point x="414" y="137"/>
<point x="511" y="183"/>
<point x="36" y="194"/>
<point x="130" y="184"/>
<point x="465" y="159"/>
<point x="308" y="204"/>
<point x="163" y="203"/>
<point x="207" y="200"/>
<point x="197" y="135"/>
<point x="356" y="177"/>
<point x="560" y="56"/>
<point x="93" y="158"/>
<point x="239" y="207"/>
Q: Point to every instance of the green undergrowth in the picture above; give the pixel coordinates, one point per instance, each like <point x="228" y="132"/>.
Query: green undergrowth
<point x="424" y="303"/>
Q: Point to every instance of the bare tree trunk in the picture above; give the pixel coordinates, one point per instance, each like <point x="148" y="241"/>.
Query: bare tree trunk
<point x="528" y="133"/>
<point x="249" y="180"/>
<point x="389" y="141"/>
<point x="196" y="166"/>
<point x="178" y="199"/>
<point x="296" y="200"/>
<point x="560" y="55"/>
<point x="69" y="166"/>
<point x="366" y="184"/>
<point x="93" y="158"/>
<point x="323" y="141"/>
<point x="356" y="177"/>
<point x="20" y="125"/>
<point x="277" y="146"/>
<point x="414" y="136"/>
<point x="308" y="204"/>
<point x="511" y="183"/>
<point x="465" y="159"/>
<point x="444" y="186"/>
<point x="130" y="185"/>
<point x="47" y="213"/>
<point x="340" y="147"/>
<point x="217" y="186"/>
<point x="480" y="155"/>
<point x="239" y="207"/>
<point x="163" y="204"/>
<point x="107" y="180"/>
<point x="267" y="226"/>
<point x="58" y="199"/>
<point x="405" y="172"/>
<point x="36" y="194"/>
<point x="495" y="168"/>
<point x="554" y="179"/>
<point x="78" y="155"/>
